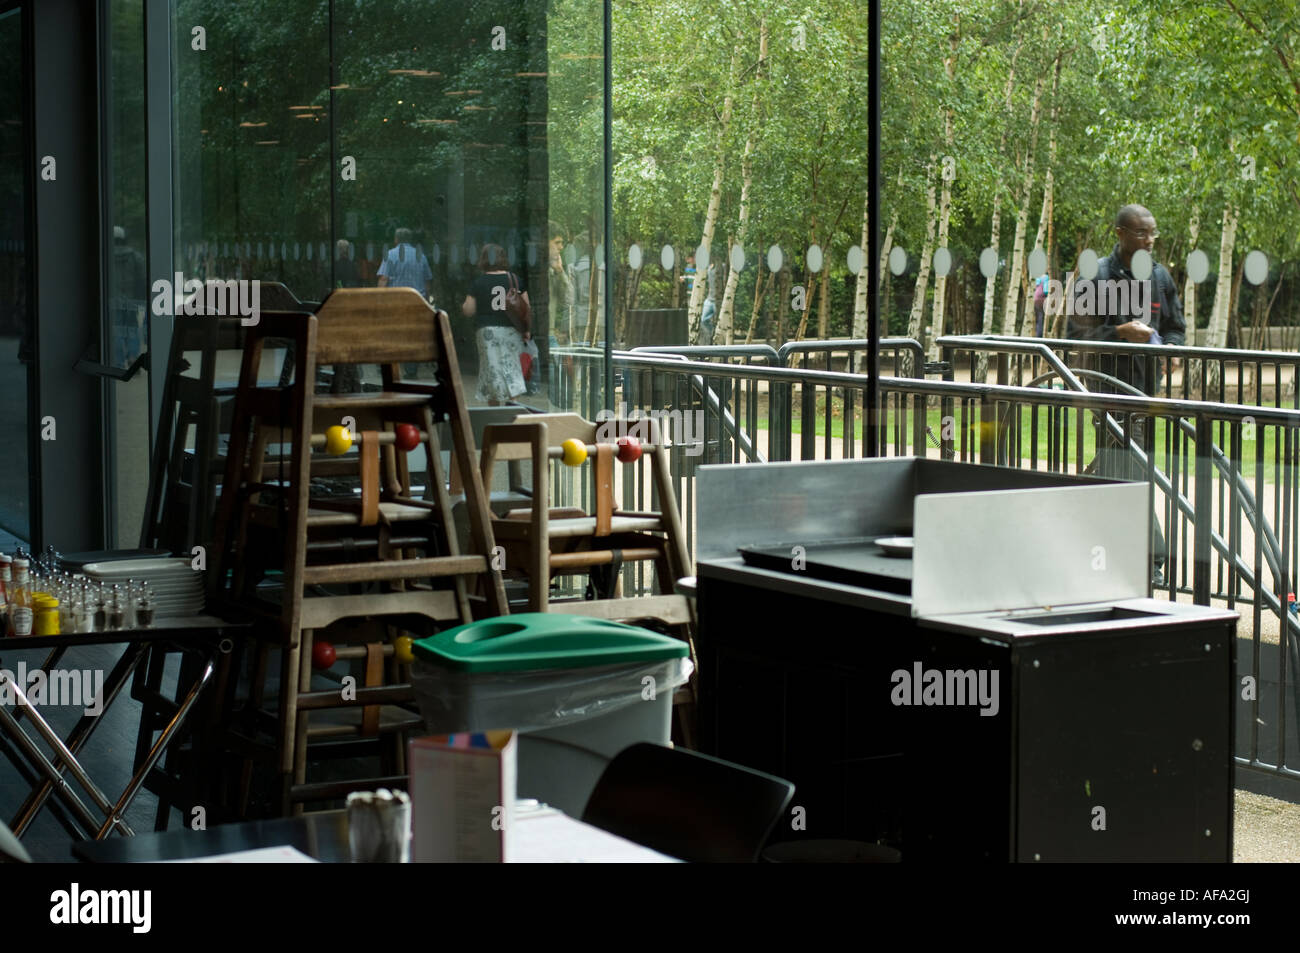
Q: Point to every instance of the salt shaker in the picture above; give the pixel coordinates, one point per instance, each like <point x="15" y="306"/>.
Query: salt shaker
<point x="379" y="827"/>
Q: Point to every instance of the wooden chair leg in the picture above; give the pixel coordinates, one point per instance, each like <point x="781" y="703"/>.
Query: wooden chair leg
<point x="302" y="718"/>
<point x="288" y="722"/>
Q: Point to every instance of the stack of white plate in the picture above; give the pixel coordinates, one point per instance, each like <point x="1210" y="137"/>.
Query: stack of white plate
<point x="177" y="586"/>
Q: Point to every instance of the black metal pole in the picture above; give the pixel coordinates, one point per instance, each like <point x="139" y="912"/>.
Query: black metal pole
<point x="608" y="401"/>
<point x="872" y="429"/>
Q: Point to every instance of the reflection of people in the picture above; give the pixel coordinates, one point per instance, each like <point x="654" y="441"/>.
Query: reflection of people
<point x="710" y="312"/>
<point x="345" y="269"/>
<point x="1105" y="318"/>
<point x="404" y="266"/>
<point x="500" y="376"/>
<point x="129" y="291"/>
<point x="560" y="285"/>
<point x="687" y="276"/>
<point x="583" y="276"/>
<point x="1040" y="304"/>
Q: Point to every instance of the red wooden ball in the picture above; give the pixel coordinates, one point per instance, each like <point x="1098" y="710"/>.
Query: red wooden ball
<point x="323" y="655"/>
<point x="629" y="449"/>
<point x="407" y="437"/>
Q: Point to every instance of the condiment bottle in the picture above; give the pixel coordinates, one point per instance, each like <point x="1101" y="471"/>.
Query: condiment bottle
<point x="20" y="601"/>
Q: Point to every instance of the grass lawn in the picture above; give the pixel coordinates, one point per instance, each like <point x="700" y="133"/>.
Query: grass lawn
<point x="1075" y="421"/>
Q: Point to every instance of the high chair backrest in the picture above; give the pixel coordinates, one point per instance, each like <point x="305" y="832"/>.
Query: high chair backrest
<point x="379" y="326"/>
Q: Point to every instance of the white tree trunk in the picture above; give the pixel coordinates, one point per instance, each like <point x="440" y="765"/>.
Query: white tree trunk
<point x="923" y="278"/>
<point x="945" y="194"/>
<point x="1022" y="220"/>
<point x="1045" y="214"/>
<point x="1217" y="333"/>
<point x="725" y="329"/>
<point x="981" y="369"/>
<point x="1189" y="286"/>
<point x="696" y="305"/>
<point x="863" y="278"/>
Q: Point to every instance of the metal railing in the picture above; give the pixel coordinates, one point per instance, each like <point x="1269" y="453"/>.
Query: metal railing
<point x="1223" y="477"/>
<point x="904" y="356"/>
<point x="1225" y="375"/>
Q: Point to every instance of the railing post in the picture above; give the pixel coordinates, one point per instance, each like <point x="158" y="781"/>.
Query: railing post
<point x="1204" y="518"/>
<point x="948" y="408"/>
<point x="808" y="423"/>
<point x="988" y="428"/>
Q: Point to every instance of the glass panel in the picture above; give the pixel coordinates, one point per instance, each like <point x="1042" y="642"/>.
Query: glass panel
<point x="17" y="338"/>
<point x="335" y="145"/>
<point x="128" y="287"/>
<point x="740" y="171"/>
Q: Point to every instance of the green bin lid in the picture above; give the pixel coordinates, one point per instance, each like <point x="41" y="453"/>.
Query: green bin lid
<point x="542" y="640"/>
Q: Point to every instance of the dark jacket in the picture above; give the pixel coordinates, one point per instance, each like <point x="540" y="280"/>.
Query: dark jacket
<point x="1099" y="308"/>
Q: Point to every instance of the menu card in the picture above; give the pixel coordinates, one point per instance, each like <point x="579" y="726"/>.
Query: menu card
<point x="462" y="797"/>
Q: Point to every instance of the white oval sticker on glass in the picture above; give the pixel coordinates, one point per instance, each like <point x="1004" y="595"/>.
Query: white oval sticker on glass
<point x="1256" y="267"/>
<point x="942" y="262"/>
<point x="634" y="257"/>
<point x="814" y="258"/>
<point x="1088" y="265"/>
<point x="775" y="258"/>
<point x="897" y="260"/>
<point x="1037" y="263"/>
<point x="737" y="258"/>
<point x="1141" y="265"/>
<point x="989" y="262"/>
<point x="667" y="257"/>
<point x="855" y="260"/>
<point x="1198" y="266"/>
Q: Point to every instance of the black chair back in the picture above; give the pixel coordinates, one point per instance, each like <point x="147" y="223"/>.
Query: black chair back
<point x="688" y="805"/>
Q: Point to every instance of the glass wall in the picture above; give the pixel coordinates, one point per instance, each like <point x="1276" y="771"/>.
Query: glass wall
<point x="17" y="348"/>
<point x="1014" y="133"/>
<point x="740" y="171"/>
<point x="126" y="330"/>
<point x="308" y="142"/>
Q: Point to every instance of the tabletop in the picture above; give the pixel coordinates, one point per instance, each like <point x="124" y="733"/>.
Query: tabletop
<point x="540" y="836"/>
<point x="194" y="630"/>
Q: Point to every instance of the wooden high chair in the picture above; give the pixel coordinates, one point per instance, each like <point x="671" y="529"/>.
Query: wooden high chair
<point x="542" y="541"/>
<point x="268" y="518"/>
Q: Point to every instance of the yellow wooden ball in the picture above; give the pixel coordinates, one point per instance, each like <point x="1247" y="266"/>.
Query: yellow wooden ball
<point x="575" y="452"/>
<point x="402" y="649"/>
<point x="338" y="440"/>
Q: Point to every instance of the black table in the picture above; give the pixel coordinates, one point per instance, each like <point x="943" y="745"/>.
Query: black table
<point x="323" y="836"/>
<point x="201" y="636"/>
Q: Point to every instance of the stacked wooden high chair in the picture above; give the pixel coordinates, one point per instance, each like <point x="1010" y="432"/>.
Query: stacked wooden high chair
<point x="543" y="541"/>
<point x="397" y="557"/>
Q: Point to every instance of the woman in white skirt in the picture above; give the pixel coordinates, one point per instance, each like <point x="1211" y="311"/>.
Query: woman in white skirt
<point x="500" y="376"/>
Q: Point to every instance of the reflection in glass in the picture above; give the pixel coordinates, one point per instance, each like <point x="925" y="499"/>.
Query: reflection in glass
<point x="17" y="348"/>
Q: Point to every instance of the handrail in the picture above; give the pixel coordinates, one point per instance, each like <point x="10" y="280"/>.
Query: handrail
<point x="974" y="342"/>
<point x="710" y="350"/>
<point x="1087" y="400"/>
<point x="852" y="344"/>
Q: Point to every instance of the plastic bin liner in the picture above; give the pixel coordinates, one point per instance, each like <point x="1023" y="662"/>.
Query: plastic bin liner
<point x="452" y="701"/>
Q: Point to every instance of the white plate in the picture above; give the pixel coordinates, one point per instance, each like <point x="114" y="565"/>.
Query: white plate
<point x="900" y="546"/>
<point x="139" y="568"/>
<point x="166" y="586"/>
